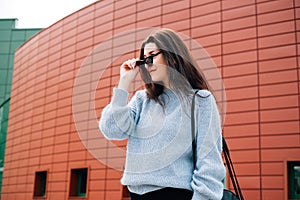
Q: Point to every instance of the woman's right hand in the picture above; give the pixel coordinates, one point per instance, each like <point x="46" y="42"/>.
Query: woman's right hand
<point x="128" y="72"/>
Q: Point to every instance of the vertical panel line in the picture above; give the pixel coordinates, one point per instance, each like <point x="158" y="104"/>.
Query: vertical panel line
<point x="297" y="57"/>
<point x="258" y="103"/>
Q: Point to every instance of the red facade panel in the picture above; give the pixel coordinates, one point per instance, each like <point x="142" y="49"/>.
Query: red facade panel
<point x="238" y="12"/>
<point x="205" y="9"/>
<point x="239" y="35"/>
<point x="240" y="70"/>
<point x="272" y="6"/>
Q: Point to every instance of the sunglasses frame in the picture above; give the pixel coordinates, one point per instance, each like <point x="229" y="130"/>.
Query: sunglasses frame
<point x="148" y="60"/>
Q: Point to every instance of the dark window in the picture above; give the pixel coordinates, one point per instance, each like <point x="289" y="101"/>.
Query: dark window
<point x="294" y="180"/>
<point x="78" y="182"/>
<point x="40" y="184"/>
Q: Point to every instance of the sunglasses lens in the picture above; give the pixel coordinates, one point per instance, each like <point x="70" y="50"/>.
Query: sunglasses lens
<point x="149" y="61"/>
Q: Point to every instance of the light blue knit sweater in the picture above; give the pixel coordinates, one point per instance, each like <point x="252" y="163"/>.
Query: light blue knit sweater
<point x="159" y="148"/>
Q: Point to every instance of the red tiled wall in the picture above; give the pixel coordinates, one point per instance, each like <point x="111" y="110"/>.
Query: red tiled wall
<point x="254" y="43"/>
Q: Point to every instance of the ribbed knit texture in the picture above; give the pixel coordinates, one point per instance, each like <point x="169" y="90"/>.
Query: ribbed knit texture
<point x="159" y="149"/>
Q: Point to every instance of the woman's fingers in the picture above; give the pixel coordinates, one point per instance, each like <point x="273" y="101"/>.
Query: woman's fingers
<point x="132" y="63"/>
<point x="128" y="72"/>
<point x="128" y="68"/>
<point x="129" y="64"/>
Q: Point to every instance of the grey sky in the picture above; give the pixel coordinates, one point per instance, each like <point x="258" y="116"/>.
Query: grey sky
<point x="39" y="13"/>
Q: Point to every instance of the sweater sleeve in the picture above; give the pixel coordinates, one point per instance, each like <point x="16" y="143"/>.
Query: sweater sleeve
<point x="117" y="120"/>
<point x="209" y="170"/>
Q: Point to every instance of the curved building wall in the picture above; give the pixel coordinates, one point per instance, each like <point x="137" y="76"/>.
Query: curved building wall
<point x="255" y="45"/>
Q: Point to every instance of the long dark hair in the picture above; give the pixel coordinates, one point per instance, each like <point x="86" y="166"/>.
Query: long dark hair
<point x="182" y="68"/>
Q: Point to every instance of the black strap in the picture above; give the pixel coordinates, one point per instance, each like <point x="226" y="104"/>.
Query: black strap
<point x="231" y="170"/>
<point x="193" y="129"/>
<point x="229" y="164"/>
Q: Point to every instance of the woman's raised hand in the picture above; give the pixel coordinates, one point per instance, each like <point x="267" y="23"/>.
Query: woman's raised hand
<point x="128" y="72"/>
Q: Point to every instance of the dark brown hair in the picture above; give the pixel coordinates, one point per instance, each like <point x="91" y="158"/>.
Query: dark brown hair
<point x="182" y="68"/>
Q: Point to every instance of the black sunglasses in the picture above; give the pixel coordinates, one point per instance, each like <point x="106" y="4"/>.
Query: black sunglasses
<point x="148" y="60"/>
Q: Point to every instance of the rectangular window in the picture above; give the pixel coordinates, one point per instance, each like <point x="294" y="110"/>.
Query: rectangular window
<point x="294" y="180"/>
<point x="40" y="184"/>
<point x="78" y="182"/>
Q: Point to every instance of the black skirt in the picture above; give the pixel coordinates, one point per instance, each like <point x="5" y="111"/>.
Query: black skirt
<point x="164" y="194"/>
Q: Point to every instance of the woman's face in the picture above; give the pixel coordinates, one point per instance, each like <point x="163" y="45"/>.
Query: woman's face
<point x="158" y="70"/>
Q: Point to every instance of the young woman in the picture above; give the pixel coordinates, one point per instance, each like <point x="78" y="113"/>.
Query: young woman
<point x="157" y="124"/>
